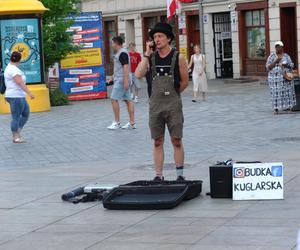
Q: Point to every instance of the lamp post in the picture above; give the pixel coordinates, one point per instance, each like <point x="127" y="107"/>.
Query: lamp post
<point x="20" y="30"/>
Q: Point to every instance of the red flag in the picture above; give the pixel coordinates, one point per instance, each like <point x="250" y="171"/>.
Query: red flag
<point x="171" y="8"/>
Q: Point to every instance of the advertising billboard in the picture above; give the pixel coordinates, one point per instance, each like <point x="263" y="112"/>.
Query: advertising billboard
<point x="82" y="74"/>
<point x="23" y="35"/>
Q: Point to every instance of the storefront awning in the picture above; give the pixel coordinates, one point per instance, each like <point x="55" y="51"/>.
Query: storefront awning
<point x="10" y="7"/>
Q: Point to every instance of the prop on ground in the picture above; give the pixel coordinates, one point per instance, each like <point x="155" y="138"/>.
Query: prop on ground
<point x="138" y="195"/>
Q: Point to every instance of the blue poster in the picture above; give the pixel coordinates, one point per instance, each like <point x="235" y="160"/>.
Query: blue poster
<point x="82" y="74"/>
<point x="22" y="35"/>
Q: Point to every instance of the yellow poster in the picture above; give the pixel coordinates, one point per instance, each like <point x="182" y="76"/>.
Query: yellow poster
<point x="183" y="51"/>
<point x="83" y="58"/>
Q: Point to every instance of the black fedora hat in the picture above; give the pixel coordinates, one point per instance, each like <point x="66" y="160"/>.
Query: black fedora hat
<point x="162" y="28"/>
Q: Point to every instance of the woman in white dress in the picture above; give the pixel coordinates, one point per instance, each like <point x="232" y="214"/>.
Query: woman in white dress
<point x="199" y="76"/>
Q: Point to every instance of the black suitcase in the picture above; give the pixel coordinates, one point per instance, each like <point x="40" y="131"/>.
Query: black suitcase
<point x="145" y="197"/>
<point x="194" y="186"/>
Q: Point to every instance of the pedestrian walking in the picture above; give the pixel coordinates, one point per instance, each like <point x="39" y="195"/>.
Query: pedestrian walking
<point x="15" y="95"/>
<point x="279" y="66"/>
<point x="169" y="71"/>
<point x="135" y="59"/>
<point x="199" y="76"/>
<point x="121" y="91"/>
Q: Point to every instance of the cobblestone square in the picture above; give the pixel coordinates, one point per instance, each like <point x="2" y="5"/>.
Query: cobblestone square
<point x="70" y="147"/>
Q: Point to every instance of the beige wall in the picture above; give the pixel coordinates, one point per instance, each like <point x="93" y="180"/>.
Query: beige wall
<point x="126" y="11"/>
<point x="135" y="33"/>
<point x="132" y="10"/>
<point x="113" y="7"/>
<point x="274" y="22"/>
<point x="209" y="49"/>
<point x="218" y="7"/>
<point x="236" y="54"/>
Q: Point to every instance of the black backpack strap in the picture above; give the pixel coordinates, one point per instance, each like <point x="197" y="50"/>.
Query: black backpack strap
<point x="173" y="63"/>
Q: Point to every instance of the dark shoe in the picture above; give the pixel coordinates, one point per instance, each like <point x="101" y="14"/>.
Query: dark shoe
<point x="194" y="100"/>
<point x="180" y="178"/>
<point x="158" y="179"/>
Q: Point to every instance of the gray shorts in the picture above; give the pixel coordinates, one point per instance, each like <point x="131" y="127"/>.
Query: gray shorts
<point x="160" y="117"/>
<point x="119" y="93"/>
<point x="135" y="82"/>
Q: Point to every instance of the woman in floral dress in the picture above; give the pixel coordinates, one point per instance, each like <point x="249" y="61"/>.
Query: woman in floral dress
<point x="282" y="90"/>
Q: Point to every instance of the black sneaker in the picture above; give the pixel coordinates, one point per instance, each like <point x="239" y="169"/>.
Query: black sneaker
<point x="158" y="179"/>
<point x="180" y="178"/>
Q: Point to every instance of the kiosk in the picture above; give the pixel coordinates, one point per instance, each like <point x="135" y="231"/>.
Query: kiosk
<point x="20" y="30"/>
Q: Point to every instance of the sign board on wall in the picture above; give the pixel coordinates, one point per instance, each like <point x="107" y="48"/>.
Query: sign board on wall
<point x="54" y="71"/>
<point x="234" y="21"/>
<point x="82" y="74"/>
<point x="262" y="181"/>
<point x="181" y="22"/>
<point x="205" y="18"/>
<point x="23" y="35"/>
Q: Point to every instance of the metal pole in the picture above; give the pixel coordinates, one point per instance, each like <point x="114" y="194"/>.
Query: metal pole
<point x="201" y="27"/>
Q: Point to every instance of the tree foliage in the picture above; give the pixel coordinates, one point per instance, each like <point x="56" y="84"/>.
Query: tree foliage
<point x="57" y="43"/>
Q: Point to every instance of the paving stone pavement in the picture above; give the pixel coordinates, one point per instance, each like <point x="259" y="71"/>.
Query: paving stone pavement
<point x="70" y="146"/>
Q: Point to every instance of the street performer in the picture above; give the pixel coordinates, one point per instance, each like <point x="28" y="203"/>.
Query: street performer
<point x="169" y="72"/>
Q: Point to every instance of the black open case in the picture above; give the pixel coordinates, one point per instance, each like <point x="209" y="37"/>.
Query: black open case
<point x="152" y="195"/>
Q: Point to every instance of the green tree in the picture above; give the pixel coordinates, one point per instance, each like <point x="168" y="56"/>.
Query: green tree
<point x="57" y="43"/>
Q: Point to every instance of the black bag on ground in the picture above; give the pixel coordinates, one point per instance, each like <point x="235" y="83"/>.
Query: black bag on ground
<point x="2" y="82"/>
<point x="141" y="197"/>
<point x="194" y="186"/>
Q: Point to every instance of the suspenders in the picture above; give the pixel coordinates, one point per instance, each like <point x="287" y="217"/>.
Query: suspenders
<point x="173" y="63"/>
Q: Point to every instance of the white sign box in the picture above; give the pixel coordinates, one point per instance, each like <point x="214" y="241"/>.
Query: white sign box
<point x="259" y="181"/>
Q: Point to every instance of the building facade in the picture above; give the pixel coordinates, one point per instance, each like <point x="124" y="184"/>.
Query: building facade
<point x="238" y="35"/>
